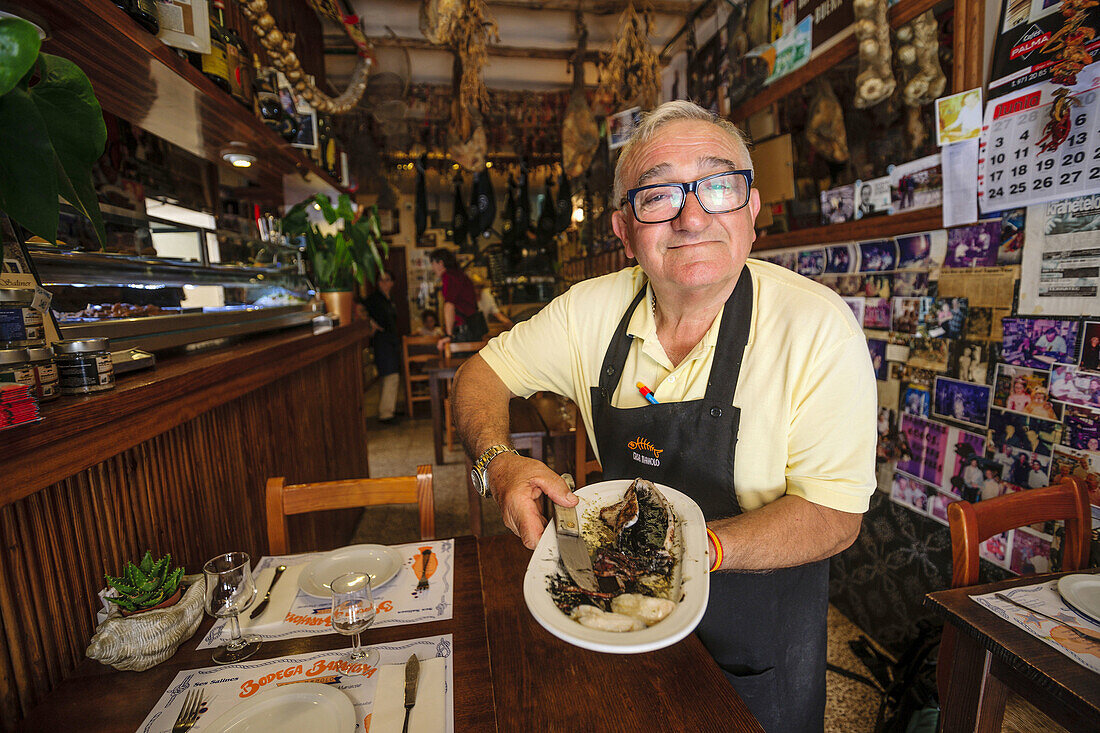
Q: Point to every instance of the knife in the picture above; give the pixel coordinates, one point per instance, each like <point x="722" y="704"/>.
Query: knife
<point x="412" y="676"/>
<point x="571" y="546"/>
<point x="267" y="596"/>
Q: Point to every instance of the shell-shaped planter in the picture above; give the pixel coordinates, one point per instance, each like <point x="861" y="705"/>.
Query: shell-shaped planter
<point x="144" y="640"/>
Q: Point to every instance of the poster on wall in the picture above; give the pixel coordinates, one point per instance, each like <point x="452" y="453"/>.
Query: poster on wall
<point x="1026" y="49"/>
<point x="1060" y="271"/>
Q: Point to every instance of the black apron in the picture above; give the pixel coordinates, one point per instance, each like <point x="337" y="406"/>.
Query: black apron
<point x="767" y="631"/>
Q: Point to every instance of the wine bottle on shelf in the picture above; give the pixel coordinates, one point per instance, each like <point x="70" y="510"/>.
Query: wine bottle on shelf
<point x="232" y="52"/>
<point x="143" y="11"/>
<point x="214" y="64"/>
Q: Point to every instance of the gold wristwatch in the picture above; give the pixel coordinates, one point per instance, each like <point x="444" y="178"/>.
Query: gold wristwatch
<point x="478" y="474"/>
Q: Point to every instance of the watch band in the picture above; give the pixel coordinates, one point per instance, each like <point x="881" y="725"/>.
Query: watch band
<point x="481" y="465"/>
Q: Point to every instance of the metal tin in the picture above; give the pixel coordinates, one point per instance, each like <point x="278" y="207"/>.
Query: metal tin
<point x="47" y="385"/>
<point x="84" y="366"/>
<point x="20" y="325"/>
<point x="15" y="367"/>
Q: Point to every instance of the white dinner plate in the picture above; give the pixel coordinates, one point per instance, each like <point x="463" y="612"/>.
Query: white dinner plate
<point x="379" y="561"/>
<point x="291" y="708"/>
<point x="695" y="585"/>
<point x="1082" y="592"/>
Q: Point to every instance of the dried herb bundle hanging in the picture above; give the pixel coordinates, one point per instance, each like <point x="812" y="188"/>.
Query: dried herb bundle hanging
<point x="632" y="73"/>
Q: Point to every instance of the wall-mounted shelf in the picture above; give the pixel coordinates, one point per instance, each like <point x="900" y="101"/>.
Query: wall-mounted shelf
<point x="818" y="64"/>
<point x="863" y="229"/>
<point x="143" y="81"/>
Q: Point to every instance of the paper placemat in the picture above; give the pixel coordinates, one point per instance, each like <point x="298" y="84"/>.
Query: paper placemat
<point x="293" y="613"/>
<point x="233" y="684"/>
<point x="1044" y="597"/>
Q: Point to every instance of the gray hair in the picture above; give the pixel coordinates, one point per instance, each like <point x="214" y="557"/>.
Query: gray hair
<point x="667" y="113"/>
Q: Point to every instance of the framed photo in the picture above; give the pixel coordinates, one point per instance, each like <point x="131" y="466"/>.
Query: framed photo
<point x="872" y="197"/>
<point x="962" y="402"/>
<point x="1030" y="552"/>
<point x="971" y="361"/>
<point x="945" y="317"/>
<point x="876" y="313"/>
<point x="838" y="205"/>
<point x="973" y="246"/>
<point x="428" y="240"/>
<point x="1012" y="430"/>
<point x="877" y="347"/>
<point x="1039" y="342"/>
<point x="1068" y="384"/>
<point x="857" y="305"/>
<point x="811" y="262"/>
<point x="909" y="492"/>
<point x="931" y="354"/>
<point x="307" y="131"/>
<point x="620" y="126"/>
<point x="878" y="255"/>
<point x="1090" y="348"/>
<point x="916" y="400"/>
<point x="840" y="258"/>
<point x="1024" y="390"/>
<point x="1082" y="429"/>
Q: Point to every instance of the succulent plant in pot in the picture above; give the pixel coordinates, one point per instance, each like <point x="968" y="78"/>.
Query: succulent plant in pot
<point x="148" y="585"/>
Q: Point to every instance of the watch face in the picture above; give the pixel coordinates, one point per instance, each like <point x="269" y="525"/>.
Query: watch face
<point x="475" y="479"/>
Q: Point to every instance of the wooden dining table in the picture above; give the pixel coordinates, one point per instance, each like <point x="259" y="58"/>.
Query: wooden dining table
<point x="993" y="656"/>
<point x="509" y="673"/>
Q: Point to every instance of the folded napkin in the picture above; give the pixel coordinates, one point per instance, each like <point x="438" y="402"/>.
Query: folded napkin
<point x="428" y="715"/>
<point x="282" y="597"/>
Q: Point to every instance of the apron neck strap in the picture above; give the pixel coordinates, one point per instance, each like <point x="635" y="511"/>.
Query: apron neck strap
<point x="733" y="335"/>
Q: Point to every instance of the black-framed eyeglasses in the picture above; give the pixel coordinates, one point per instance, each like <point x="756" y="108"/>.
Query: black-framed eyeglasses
<point x="720" y="193"/>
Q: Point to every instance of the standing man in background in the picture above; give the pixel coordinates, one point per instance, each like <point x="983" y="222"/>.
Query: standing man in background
<point x="386" y="343"/>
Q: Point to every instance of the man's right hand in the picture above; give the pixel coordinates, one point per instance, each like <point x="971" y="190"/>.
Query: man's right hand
<point x="518" y="483"/>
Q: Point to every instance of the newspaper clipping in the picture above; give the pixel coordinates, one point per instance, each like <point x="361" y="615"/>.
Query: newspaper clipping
<point x="1061" y="265"/>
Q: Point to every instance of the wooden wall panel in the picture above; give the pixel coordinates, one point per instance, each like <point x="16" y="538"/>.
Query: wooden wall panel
<point x="195" y="490"/>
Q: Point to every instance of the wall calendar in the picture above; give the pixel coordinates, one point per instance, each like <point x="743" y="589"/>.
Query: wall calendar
<point x="1041" y="143"/>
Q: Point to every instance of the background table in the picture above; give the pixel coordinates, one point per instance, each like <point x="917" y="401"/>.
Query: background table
<point x="993" y="655"/>
<point x="536" y="681"/>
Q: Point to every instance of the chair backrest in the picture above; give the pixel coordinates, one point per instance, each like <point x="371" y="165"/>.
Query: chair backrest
<point x="456" y="351"/>
<point x="419" y="349"/>
<point x="284" y="500"/>
<point x="973" y="524"/>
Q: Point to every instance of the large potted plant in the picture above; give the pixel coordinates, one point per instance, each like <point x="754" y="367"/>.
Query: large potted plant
<point x="53" y="132"/>
<point x="348" y="253"/>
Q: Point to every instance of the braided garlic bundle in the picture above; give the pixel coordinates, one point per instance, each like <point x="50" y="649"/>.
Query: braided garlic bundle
<point x="876" y="80"/>
<point x="918" y="56"/>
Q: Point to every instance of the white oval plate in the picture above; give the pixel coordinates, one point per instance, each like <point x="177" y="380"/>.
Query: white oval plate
<point x="695" y="585"/>
<point x="1082" y="592"/>
<point x="379" y="561"/>
<point x="290" y="709"/>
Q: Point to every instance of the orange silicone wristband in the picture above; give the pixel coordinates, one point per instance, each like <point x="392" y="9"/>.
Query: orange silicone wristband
<point x="717" y="550"/>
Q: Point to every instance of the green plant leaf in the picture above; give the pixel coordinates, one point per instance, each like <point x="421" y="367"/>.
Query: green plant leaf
<point x="147" y="562"/>
<point x="19" y="44"/>
<point x="75" y="124"/>
<point x="326" y="208"/>
<point x="28" y="173"/>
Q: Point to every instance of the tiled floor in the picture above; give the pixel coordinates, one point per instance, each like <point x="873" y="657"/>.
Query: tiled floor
<point x="397" y="450"/>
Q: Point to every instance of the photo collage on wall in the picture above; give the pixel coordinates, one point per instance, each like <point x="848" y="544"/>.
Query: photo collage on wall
<point x="975" y="400"/>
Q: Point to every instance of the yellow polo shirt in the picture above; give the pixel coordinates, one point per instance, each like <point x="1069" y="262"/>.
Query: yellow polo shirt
<point x="806" y="390"/>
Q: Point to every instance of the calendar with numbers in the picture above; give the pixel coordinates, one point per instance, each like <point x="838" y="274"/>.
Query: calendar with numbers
<point x="1014" y="171"/>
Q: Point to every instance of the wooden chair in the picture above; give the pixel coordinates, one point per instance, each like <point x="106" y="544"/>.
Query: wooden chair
<point x="582" y="464"/>
<point x="418" y="354"/>
<point x="454" y="353"/>
<point x="973" y="524"/>
<point x="283" y="500"/>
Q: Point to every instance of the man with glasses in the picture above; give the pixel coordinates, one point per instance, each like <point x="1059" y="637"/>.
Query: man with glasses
<point x="766" y="402"/>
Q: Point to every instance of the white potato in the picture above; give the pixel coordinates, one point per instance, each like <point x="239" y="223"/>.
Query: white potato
<point x="644" y="608"/>
<point x="596" y="618"/>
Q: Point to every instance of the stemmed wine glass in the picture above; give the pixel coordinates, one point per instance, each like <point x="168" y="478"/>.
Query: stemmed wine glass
<point x="352" y="612"/>
<point x="230" y="590"/>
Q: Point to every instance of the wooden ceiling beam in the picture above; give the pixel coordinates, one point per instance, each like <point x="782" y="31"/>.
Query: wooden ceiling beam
<point x="599" y="7"/>
<point x="421" y="44"/>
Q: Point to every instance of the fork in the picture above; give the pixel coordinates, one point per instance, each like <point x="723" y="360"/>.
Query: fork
<point x="1086" y="635"/>
<point x="423" y="584"/>
<point x="190" y="712"/>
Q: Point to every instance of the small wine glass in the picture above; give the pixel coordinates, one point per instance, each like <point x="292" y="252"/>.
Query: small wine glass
<point x="230" y="590"/>
<point x="352" y="612"/>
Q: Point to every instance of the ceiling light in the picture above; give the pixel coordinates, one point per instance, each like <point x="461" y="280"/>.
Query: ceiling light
<point x="237" y="155"/>
<point x="578" y="215"/>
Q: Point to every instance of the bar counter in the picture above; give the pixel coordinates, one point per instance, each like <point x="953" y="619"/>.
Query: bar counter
<point x="173" y="459"/>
